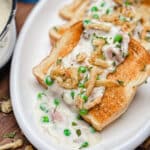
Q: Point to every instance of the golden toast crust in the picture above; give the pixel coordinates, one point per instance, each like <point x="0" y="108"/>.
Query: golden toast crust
<point x="117" y="99"/>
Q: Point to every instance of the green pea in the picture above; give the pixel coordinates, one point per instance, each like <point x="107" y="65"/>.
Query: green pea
<point x="84" y="97"/>
<point x="45" y="119"/>
<point x="49" y="81"/>
<point x="82" y="69"/>
<point x="86" y="21"/>
<point x="67" y="132"/>
<point x="94" y="9"/>
<point x="83" y="112"/>
<point x="118" y="38"/>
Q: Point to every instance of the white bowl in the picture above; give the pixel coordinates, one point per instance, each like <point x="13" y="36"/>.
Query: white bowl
<point x="8" y="36"/>
<point x="33" y="44"/>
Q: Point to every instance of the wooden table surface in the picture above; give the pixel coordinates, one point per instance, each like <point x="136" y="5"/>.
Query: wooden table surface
<point x="7" y="121"/>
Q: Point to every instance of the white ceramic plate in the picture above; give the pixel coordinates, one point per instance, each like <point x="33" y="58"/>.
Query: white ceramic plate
<point x="33" y="45"/>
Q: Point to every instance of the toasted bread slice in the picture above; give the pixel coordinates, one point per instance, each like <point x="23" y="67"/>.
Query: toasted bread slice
<point x="61" y="49"/>
<point x="134" y="71"/>
<point x="69" y="11"/>
<point x="56" y="32"/>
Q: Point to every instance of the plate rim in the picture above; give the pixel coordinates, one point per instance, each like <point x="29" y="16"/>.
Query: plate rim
<point x="132" y="142"/>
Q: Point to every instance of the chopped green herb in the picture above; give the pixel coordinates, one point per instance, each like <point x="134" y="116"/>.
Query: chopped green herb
<point x="89" y="68"/>
<point x="67" y="132"/>
<point x="118" y="45"/>
<point x="92" y="130"/>
<point x="114" y="70"/>
<point x="43" y="107"/>
<point x="81" y="85"/>
<point x="94" y="9"/>
<point x="84" y="145"/>
<point x="102" y="4"/>
<point x="147" y="38"/>
<point x="84" y="97"/>
<point x="118" y="38"/>
<point x="129" y="34"/>
<point x="83" y="112"/>
<point x="79" y="117"/>
<point x="98" y="77"/>
<point x="146" y="82"/>
<point x="49" y="81"/>
<point x="114" y="63"/>
<point x="86" y="78"/>
<point x="78" y="132"/>
<point x="56" y="101"/>
<point x="74" y="124"/>
<point x="55" y="28"/>
<point x="113" y="54"/>
<point x="127" y="3"/>
<point x="40" y="95"/>
<point x="82" y="69"/>
<point x="124" y="55"/>
<point x="95" y="16"/>
<point x="86" y="21"/>
<point x="45" y="119"/>
<point x="10" y="135"/>
<point x="72" y="93"/>
<point x="58" y="62"/>
<point x="120" y="82"/>
<point x="122" y="18"/>
<point x="103" y="57"/>
<point x="108" y="11"/>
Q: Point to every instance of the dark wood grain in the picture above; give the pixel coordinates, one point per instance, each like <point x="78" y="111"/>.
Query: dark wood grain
<point x="8" y="122"/>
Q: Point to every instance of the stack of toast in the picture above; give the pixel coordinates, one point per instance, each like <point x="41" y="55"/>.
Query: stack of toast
<point x="133" y="71"/>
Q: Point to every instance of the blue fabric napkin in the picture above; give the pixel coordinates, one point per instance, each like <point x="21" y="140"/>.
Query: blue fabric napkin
<point x="28" y="1"/>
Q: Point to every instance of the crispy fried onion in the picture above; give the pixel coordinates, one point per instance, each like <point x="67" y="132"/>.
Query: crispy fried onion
<point x="81" y="57"/>
<point x="98" y="26"/>
<point x="65" y="77"/>
<point x="98" y="43"/>
<point x="98" y="62"/>
<point x="114" y="18"/>
<point x="92" y="82"/>
<point x="106" y="83"/>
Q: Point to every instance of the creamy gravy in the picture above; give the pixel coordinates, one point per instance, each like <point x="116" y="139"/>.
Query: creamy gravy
<point x="62" y="114"/>
<point x="5" y="10"/>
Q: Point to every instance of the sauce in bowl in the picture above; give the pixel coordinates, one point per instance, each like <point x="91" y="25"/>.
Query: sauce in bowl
<point x="5" y="11"/>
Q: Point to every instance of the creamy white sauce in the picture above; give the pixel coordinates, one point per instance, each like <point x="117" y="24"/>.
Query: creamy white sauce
<point x="5" y="10"/>
<point x="104" y="7"/>
<point x="66" y="112"/>
<point x="64" y="118"/>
